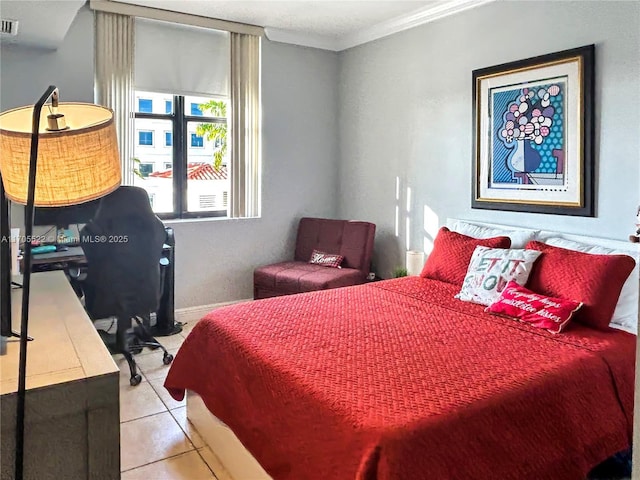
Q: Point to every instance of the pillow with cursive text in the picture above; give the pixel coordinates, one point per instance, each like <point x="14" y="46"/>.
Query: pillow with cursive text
<point x="540" y="311"/>
<point x="326" y="259"/>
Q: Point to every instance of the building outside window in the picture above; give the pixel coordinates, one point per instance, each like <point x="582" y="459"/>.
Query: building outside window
<point x="202" y="184"/>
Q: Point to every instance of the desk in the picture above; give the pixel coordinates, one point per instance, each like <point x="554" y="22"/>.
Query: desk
<point x="44" y="261"/>
<point x="72" y="428"/>
<point x="74" y="257"/>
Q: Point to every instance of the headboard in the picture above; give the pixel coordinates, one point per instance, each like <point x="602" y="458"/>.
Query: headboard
<point x="632" y="248"/>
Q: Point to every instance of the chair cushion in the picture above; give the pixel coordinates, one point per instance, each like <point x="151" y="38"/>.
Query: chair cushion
<point x="297" y="277"/>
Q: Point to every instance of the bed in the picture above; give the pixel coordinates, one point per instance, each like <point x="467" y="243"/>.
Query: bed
<point x="397" y="379"/>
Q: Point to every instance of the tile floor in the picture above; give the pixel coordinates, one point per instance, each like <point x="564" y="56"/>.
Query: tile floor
<point x="156" y="439"/>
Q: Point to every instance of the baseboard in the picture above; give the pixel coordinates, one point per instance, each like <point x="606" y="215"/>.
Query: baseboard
<point x="193" y="314"/>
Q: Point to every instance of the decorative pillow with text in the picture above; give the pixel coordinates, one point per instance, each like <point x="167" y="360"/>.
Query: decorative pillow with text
<point x="325" y="259"/>
<point x="490" y="269"/>
<point x="540" y="311"/>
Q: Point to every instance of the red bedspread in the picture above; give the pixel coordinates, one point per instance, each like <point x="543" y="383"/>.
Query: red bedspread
<point x="398" y="380"/>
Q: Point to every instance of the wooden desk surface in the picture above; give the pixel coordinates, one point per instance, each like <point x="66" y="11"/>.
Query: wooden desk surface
<point x="66" y="346"/>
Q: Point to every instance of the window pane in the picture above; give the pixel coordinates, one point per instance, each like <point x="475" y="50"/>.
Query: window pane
<point x="146" y="169"/>
<point x="197" y="141"/>
<point x="205" y="106"/>
<point x="168" y="139"/>
<point x="145" y="137"/>
<point x="207" y="186"/>
<point x="195" y="110"/>
<point x="145" y="105"/>
<point x="154" y="162"/>
<point x="168" y="106"/>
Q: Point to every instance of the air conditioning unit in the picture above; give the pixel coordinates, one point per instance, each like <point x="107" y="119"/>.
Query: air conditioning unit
<point x="8" y="27"/>
<point x="207" y="201"/>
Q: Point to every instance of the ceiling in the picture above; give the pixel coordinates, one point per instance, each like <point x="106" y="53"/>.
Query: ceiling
<point x="41" y="24"/>
<point x="329" y="24"/>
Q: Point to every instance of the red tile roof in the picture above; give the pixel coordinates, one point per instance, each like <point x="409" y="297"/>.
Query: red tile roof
<point x="197" y="171"/>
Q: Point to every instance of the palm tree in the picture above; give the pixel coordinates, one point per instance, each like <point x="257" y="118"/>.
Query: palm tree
<point x="216" y="132"/>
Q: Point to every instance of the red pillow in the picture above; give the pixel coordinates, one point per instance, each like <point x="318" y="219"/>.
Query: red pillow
<point x="452" y="251"/>
<point x="595" y="280"/>
<point x="537" y="310"/>
<point x="326" y="259"/>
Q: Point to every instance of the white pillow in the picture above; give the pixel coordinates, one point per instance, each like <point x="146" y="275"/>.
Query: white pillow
<point x="490" y="269"/>
<point x="625" y="316"/>
<point x="519" y="237"/>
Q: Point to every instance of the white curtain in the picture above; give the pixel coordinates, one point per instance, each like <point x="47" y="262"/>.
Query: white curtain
<point x="113" y="83"/>
<point x="245" y="126"/>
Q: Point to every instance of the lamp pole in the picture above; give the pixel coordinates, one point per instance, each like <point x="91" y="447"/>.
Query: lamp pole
<point x="5" y="260"/>
<point x="51" y="92"/>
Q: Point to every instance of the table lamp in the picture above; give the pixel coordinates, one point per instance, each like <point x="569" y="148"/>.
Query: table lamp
<point x="68" y="157"/>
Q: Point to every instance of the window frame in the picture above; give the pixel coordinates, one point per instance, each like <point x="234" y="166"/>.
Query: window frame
<point x="180" y="121"/>
<point x="151" y="164"/>
<point x="144" y="130"/>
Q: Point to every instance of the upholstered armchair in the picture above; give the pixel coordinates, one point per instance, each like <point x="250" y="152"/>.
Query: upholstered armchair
<point x="351" y="239"/>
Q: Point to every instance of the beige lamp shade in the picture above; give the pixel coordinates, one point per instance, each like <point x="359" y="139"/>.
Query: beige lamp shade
<point x="75" y="165"/>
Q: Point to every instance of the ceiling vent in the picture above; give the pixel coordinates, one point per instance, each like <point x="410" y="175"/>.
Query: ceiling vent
<point x="9" y="27"/>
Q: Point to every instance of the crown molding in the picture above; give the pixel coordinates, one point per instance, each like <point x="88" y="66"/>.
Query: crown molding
<point x="404" y="22"/>
<point x="427" y="14"/>
<point x="323" y="42"/>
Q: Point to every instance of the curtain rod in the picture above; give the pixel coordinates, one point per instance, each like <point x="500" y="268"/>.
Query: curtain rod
<point x="175" y="17"/>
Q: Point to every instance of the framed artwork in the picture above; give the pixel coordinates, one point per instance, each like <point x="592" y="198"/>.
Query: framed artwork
<point x="533" y="134"/>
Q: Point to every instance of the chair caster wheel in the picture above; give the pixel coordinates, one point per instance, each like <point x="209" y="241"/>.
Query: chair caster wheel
<point x="167" y="358"/>
<point x="135" y="380"/>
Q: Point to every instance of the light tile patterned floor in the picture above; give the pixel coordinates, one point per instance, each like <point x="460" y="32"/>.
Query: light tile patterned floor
<point x="156" y="439"/>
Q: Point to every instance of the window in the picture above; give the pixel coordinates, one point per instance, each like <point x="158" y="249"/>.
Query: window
<point x="145" y="105"/>
<point x="191" y="174"/>
<point x="197" y="141"/>
<point x="145" y="138"/>
<point x="145" y="169"/>
<point x="168" y="106"/>
<point x="161" y="67"/>
<point x="195" y="110"/>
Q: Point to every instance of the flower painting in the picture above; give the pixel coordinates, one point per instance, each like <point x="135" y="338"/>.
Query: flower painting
<point x="532" y="149"/>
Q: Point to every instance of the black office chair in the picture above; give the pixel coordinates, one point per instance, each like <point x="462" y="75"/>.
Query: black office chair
<point x="123" y="247"/>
